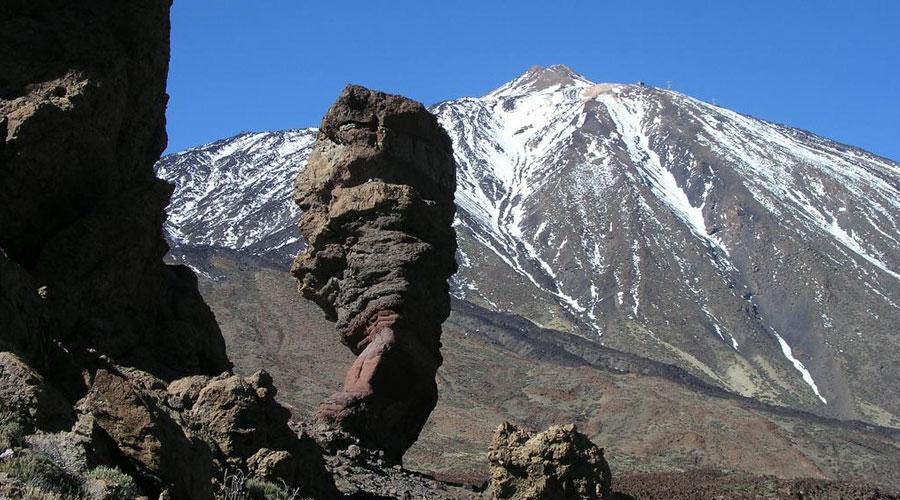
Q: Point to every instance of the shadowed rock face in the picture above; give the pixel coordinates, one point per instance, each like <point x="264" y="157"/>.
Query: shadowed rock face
<point x="377" y="201"/>
<point x="93" y="324"/>
<point x="82" y="121"/>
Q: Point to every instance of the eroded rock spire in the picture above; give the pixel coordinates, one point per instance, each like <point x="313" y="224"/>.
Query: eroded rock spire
<point x="377" y="201"/>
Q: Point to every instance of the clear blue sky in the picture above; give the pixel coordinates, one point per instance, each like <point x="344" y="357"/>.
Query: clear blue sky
<point x="832" y="67"/>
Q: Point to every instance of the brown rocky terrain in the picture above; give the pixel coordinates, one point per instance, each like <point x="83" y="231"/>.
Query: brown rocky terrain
<point x="653" y="420"/>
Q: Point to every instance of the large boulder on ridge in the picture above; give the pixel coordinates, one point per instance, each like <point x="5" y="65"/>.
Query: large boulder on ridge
<point x="377" y="202"/>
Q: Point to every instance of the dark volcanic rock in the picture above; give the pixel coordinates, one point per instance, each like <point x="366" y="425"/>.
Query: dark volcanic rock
<point x="25" y="394"/>
<point x="93" y="324"/>
<point x="184" y="435"/>
<point x="557" y="463"/>
<point x="82" y="101"/>
<point x="24" y="320"/>
<point x="377" y="201"/>
<point x="129" y="405"/>
<point x="247" y="429"/>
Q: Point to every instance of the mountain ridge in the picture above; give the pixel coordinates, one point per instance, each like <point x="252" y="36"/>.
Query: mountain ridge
<point x="692" y="206"/>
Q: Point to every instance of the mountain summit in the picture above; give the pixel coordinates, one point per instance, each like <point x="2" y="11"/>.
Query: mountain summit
<point x="760" y="258"/>
<point x="538" y="78"/>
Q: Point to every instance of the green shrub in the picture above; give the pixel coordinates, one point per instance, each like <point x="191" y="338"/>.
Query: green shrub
<point x="40" y="473"/>
<point x="12" y="433"/>
<point x="258" y="489"/>
<point x="124" y="484"/>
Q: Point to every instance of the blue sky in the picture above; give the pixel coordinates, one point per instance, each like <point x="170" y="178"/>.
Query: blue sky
<point x="832" y="67"/>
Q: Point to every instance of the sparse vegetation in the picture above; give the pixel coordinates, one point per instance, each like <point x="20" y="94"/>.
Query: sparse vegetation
<point x="123" y="483"/>
<point x="41" y="476"/>
<point x="237" y="486"/>
<point x="265" y="490"/>
<point x="12" y="432"/>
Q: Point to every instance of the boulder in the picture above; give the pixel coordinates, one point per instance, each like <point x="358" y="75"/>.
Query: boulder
<point x="377" y="202"/>
<point x="247" y="429"/>
<point x="25" y="395"/>
<point x="129" y="405"/>
<point x="239" y="415"/>
<point x="557" y="463"/>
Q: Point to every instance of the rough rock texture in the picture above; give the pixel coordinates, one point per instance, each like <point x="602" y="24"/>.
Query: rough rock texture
<point x="93" y="325"/>
<point x="185" y="435"/>
<point x="25" y="394"/>
<point x="248" y="429"/>
<point x="82" y="103"/>
<point x="693" y="484"/>
<point x="24" y="322"/>
<point x="557" y="463"/>
<point x="129" y="406"/>
<point x="377" y="201"/>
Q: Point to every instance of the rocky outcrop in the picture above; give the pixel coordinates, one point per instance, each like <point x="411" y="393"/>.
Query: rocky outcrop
<point x="82" y="103"/>
<point x="110" y="359"/>
<point x="129" y="406"/>
<point x="25" y="395"/>
<point x="557" y="463"/>
<point x="186" y="434"/>
<point x="377" y="201"/>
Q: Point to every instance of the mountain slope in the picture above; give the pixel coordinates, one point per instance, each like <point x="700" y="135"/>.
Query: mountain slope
<point x="236" y="193"/>
<point x="760" y="258"/>
<point x="650" y="418"/>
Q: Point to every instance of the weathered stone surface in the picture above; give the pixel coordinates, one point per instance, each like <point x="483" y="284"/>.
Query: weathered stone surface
<point x="24" y="320"/>
<point x="129" y="405"/>
<point x="240" y="415"/>
<point x="82" y="121"/>
<point x="90" y="316"/>
<point x="377" y="201"/>
<point x="25" y="394"/>
<point x="557" y="463"/>
<point x="247" y="429"/>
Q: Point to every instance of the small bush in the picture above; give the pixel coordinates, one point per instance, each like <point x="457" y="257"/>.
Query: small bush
<point x="40" y="473"/>
<point x="12" y="433"/>
<point x="53" y="446"/>
<point x="124" y="484"/>
<point x="258" y="489"/>
<point x="237" y="486"/>
<point x="233" y="486"/>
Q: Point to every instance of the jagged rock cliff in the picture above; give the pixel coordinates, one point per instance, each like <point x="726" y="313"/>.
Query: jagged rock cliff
<point x="82" y="100"/>
<point x="377" y="202"/>
<point x="96" y="332"/>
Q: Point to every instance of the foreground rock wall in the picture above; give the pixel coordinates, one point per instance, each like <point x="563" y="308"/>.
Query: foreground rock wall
<point x="377" y="201"/>
<point x="108" y="357"/>
<point x="82" y="101"/>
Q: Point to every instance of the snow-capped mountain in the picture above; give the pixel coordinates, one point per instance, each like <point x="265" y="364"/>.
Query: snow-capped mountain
<point x="761" y="258"/>
<point x="236" y="193"/>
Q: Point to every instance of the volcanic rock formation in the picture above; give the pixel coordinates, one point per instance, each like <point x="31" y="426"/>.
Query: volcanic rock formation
<point x="557" y="463"/>
<point x="93" y="324"/>
<point x="377" y="201"/>
<point x="82" y="101"/>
